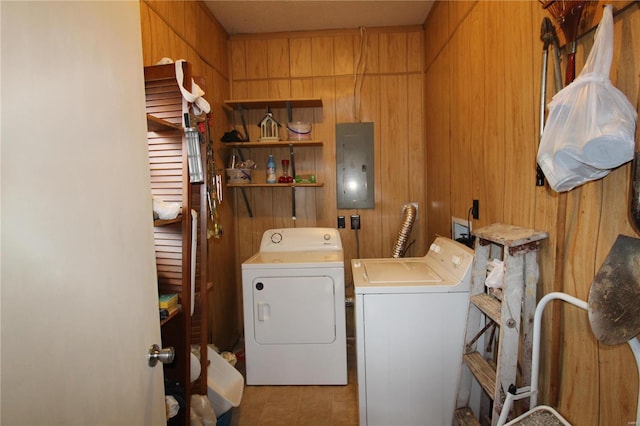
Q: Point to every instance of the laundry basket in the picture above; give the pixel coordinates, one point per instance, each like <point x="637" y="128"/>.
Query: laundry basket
<point x="225" y="384"/>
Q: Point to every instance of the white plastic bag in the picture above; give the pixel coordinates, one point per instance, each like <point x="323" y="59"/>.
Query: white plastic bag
<point x="202" y="413"/>
<point x="165" y="210"/>
<point x="496" y="276"/>
<point x="591" y="124"/>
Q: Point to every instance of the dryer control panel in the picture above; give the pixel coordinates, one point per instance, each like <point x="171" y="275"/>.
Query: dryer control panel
<point x="300" y="239"/>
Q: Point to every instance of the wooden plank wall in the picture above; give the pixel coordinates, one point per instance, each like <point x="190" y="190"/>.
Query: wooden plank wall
<point x="322" y="64"/>
<point x="467" y="109"/>
<point x="187" y="30"/>
<point x="482" y="82"/>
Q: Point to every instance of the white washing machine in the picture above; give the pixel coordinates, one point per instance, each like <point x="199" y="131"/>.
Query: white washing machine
<point x="294" y="309"/>
<point x="411" y="317"/>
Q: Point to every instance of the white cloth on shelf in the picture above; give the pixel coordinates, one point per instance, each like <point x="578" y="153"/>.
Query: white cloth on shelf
<point x="196" y="96"/>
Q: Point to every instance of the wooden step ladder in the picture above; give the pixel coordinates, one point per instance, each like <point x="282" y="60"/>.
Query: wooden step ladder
<point x="509" y="309"/>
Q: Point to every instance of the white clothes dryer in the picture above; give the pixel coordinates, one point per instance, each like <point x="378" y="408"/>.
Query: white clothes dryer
<point x="294" y="309"/>
<point x="410" y="316"/>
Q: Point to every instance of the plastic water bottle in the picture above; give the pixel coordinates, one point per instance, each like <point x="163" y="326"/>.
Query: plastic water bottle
<point x="271" y="170"/>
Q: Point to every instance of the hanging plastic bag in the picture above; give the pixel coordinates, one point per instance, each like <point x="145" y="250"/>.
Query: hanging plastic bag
<point x="591" y="124"/>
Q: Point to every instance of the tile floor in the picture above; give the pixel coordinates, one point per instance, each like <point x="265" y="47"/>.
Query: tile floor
<point x="300" y="405"/>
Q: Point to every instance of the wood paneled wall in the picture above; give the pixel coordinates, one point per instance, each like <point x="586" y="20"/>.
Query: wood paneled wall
<point x="455" y="110"/>
<point x="323" y="64"/>
<point x="482" y="83"/>
<point x="187" y="30"/>
<point x="308" y="64"/>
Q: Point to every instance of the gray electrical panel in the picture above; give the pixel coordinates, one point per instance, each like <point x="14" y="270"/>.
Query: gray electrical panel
<point x="354" y="165"/>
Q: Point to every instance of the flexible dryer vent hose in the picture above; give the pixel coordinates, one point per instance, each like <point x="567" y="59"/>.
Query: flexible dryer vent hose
<point x="399" y="248"/>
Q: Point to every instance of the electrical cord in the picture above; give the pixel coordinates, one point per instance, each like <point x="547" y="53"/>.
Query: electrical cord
<point x="467" y="239"/>
<point x="408" y="247"/>
<point x="358" y="73"/>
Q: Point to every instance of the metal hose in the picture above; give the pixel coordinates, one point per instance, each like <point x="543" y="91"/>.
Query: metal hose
<point x="410" y="212"/>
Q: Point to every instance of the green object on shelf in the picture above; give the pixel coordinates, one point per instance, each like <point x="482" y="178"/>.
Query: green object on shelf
<point x="305" y="178"/>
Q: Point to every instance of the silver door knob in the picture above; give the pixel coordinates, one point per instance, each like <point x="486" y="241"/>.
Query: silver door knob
<point x="164" y="355"/>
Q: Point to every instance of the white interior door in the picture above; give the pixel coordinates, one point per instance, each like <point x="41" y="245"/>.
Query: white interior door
<point x="79" y="298"/>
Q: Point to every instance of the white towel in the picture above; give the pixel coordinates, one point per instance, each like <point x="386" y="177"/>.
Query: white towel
<point x="196" y="98"/>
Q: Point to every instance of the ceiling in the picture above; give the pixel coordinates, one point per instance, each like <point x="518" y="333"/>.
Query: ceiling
<point x="267" y="16"/>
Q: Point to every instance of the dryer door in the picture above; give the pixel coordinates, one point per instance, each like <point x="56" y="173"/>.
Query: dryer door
<point x="291" y="310"/>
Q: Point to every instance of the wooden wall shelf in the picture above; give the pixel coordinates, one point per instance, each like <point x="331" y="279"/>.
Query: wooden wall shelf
<point x="274" y="185"/>
<point x="155" y="124"/>
<point x="273" y="103"/>
<point x="165" y="222"/>
<point x="277" y="144"/>
<point x="171" y="316"/>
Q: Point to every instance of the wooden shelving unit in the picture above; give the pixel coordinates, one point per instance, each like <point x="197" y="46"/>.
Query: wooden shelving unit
<point x="241" y="105"/>
<point x="168" y="162"/>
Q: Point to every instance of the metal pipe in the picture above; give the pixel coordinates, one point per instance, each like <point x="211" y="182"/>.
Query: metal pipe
<point x="634" y="344"/>
<point x="537" y="324"/>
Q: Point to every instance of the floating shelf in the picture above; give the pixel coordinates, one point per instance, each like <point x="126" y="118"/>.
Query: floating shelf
<point x="273" y="103"/>
<point x="275" y="144"/>
<point x="272" y="185"/>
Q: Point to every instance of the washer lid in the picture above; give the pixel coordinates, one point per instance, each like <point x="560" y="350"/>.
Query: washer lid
<point x="400" y="271"/>
<point x="408" y="275"/>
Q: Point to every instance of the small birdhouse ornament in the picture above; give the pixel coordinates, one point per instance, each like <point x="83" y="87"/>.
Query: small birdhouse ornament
<point x="269" y="128"/>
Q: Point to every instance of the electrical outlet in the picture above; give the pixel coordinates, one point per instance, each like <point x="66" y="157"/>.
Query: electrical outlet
<point x="341" y="222"/>
<point x="355" y="221"/>
<point x="475" y="209"/>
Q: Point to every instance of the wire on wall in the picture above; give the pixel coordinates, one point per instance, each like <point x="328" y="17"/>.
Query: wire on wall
<point x="358" y="74"/>
<point x="467" y="239"/>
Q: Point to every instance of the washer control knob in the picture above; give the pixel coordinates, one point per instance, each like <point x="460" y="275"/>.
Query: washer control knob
<point x="276" y="237"/>
<point x="435" y="248"/>
<point x="456" y="260"/>
<point x="259" y="286"/>
<point x="326" y="237"/>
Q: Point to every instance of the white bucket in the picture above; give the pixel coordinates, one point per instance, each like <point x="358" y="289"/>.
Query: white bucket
<point x="239" y="176"/>
<point x="299" y="130"/>
<point x="225" y="384"/>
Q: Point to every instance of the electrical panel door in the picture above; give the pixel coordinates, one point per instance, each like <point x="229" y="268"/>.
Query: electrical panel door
<point x="354" y="165"/>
